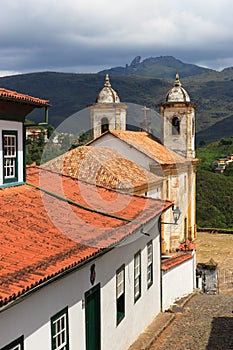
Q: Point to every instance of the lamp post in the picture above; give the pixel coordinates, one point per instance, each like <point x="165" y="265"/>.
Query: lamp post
<point x="176" y="215"/>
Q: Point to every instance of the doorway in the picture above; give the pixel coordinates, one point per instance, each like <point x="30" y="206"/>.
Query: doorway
<point x="92" y="315"/>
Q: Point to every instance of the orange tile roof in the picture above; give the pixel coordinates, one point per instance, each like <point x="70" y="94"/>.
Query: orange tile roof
<point x="174" y="261"/>
<point x="46" y="233"/>
<point x="16" y="96"/>
<point x="103" y="166"/>
<point x="187" y="246"/>
<point x="148" y="145"/>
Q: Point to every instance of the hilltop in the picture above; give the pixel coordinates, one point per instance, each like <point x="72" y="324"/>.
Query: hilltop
<point x="163" y="67"/>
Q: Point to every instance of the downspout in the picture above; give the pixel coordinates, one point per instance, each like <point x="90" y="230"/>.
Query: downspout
<point x="160" y="267"/>
<point x="24" y="153"/>
<point x="46" y="118"/>
<point x="46" y="121"/>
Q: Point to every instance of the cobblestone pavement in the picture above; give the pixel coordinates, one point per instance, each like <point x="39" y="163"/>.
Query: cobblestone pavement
<point x="205" y="323"/>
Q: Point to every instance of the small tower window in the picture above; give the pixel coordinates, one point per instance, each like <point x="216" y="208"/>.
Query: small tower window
<point x="104" y="125"/>
<point x="193" y="127"/>
<point x="175" y="126"/>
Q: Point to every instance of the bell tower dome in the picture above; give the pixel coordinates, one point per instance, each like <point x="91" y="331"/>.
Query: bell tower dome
<point x="178" y="124"/>
<point x="107" y="113"/>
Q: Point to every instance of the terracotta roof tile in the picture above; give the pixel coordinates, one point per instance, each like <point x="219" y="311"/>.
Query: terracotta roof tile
<point x="44" y="235"/>
<point x="176" y="260"/>
<point x="148" y="145"/>
<point x="103" y="166"/>
<point x="187" y="246"/>
<point x="13" y="95"/>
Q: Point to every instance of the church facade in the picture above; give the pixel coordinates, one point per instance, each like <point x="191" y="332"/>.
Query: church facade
<point x="173" y="157"/>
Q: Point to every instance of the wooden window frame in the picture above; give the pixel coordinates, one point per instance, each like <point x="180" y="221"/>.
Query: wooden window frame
<point x="10" y="159"/>
<point x="120" y="294"/>
<point x="149" y="264"/>
<point x="17" y="344"/>
<point x="57" y="333"/>
<point x="137" y="276"/>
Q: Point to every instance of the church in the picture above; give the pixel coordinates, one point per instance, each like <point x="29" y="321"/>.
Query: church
<point x="138" y="162"/>
<point x="172" y="158"/>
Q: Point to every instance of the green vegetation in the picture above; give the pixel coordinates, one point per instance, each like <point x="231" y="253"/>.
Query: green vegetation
<point x="41" y="149"/>
<point x="214" y="191"/>
<point x="213" y="151"/>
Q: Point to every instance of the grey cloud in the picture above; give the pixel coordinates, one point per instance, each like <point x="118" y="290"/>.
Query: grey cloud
<point x="84" y="35"/>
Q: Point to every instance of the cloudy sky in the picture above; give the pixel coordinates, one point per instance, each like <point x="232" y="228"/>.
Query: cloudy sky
<point x="85" y="36"/>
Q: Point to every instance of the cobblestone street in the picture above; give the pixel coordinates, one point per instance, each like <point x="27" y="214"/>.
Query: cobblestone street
<point x="205" y="323"/>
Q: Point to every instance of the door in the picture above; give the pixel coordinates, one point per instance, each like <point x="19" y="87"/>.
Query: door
<point x="92" y="314"/>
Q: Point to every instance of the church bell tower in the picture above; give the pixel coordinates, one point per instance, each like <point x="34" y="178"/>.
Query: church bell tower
<point x="107" y="113"/>
<point x="178" y="124"/>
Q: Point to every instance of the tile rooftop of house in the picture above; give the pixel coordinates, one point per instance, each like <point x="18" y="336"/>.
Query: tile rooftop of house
<point x="19" y="97"/>
<point x="103" y="166"/>
<point x="146" y="144"/>
<point x="175" y="260"/>
<point x="45" y="233"/>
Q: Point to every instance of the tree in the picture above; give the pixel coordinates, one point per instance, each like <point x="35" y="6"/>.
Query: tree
<point x="229" y="169"/>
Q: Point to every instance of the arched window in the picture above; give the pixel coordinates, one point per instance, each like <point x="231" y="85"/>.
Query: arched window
<point x="104" y="125"/>
<point x="175" y="126"/>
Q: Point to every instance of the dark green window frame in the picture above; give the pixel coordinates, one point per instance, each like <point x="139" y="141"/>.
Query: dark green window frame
<point x="137" y="276"/>
<point x="17" y="344"/>
<point x="60" y="330"/>
<point x="149" y="264"/>
<point x="120" y="293"/>
<point x="10" y="156"/>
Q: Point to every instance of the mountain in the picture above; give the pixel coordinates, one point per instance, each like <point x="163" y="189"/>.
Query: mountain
<point x="163" y="67"/>
<point x="69" y="93"/>
<point x="221" y="129"/>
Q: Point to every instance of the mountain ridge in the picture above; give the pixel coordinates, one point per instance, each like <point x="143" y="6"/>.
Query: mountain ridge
<point x="151" y="67"/>
<point x="71" y="92"/>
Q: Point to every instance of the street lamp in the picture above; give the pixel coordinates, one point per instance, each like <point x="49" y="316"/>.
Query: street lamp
<point x="176" y="215"/>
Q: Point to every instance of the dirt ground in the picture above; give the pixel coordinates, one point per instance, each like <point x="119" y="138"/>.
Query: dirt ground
<point x="217" y="246"/>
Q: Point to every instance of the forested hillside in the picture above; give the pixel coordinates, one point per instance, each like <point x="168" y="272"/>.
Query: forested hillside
<point x="214" y="191"/>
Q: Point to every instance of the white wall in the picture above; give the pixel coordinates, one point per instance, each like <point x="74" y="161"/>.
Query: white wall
<point x="31" y="317"/>
<point x="177" y="282"/>
<point x="155" y="192"/>
<point x="13" y="126"/>
<point x="125" y="149"/>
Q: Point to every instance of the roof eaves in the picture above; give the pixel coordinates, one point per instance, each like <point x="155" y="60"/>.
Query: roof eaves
<point x="15" y="298"/>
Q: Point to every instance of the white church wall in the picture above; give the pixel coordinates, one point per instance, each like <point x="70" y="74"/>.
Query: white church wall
<point x="155" y="193"/>
<point x="124" y="149"/>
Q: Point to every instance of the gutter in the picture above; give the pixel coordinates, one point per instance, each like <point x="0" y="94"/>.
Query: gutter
<point x="83" y="206"/>
<point x="50" y="279"/>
